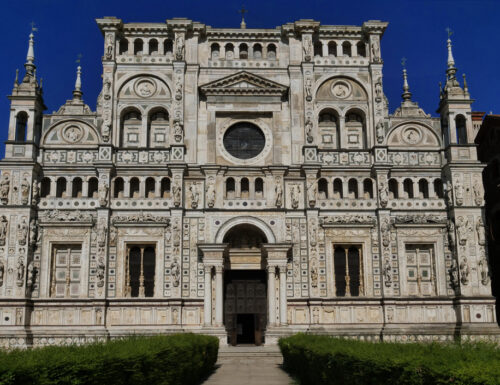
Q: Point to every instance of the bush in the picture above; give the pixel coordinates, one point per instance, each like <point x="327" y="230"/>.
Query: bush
<point x="176" y="359"/>
<point x="322" y="360"/>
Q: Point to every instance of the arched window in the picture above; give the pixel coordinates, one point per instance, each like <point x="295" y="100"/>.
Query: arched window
<point x="123" y="47"/>
<point x="230" y="188"/>
<point x="45" y="187"/>
<point x="271" y="51"/>
<point x="138" y="47"/>
<point x="438" y="188"/>
<point x="158" y="124"/>
<point x="168" y="47"/>
<point x="408" y="188"/>
<point x="61" y="188"/>
<point x="338" y="192"/>
<point x="118" y="188"/>
<point x="21" y="126"/>
<point x="165" y="188"/>
<point x="353" y="189"/>
<point x="461" y="129"/>
<point x="76" y="191"/>
<point x="329" y="127"/>
<point x="393" y="189"/>
<point x="257" y="51"/>
<point x="361" y="46"/>
<point x="131" y="123"/>
<point x="153" y="47"/>
<point x="245" y="188"/>
<point x="259" y="188"/>
<point x="93" y="187"/>
<point x="368" y="189"/>
<point x="318" y="49"/>
<point x="332" y="48"/>
<point x="214" y="51"/>
<point x="346" y="48"/>
<point x="150" y="187"/>
<point x="355" y="129"/>
<point x="134" y="188"/>
<point x="229" y="51"/>
<point x="423" y="189"/>
<point x="322" y="189"/>
<point x="243" y="51"/>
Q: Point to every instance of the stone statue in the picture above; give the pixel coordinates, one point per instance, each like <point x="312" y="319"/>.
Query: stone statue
<point x="312" y="193"/>
<point x="4" y="188"/>
<point x="314" y="275"/>
<point x="375" y="50"/>
<point x="179" y="47"/>
<point x="195" y="195"/>
<point x="481" y="239"/>
<point x="103" y="194"/>
<point x="176" y="234"/>
<point x="295" y="195"/>
<point x="462" y="226"/>
<point x="383" y="193"/>
<point x="454" y="274"/>
<point x="312" y="234"/>
<point x="178" y="131"/>
<point x="464" y="271"/>
<point x="112" y="236"/>
<point x="178" y="89"/>
<point x="4" y="224"/>
<point x="459" y="192"/>
<point x="308" y="48"/>
<point x="25" y="192"/>
<point x="109" y="47"/>
<point x="278" y="193"/>
<point x="102" y="231"/>
<point x="33" y="233"/>
<point x="378" y="90"/>
<point x="175" y="271"/>
<point x="309" y="129"/>
<point x="380" y="132"/>
<point x="308" y="89"/>
<point x="22" y="232"/>
<point x="210" y="190"/>
<point x="20" y="272"/>
<point x="30" y="281"/>
<point x="483" y="269"/>
<point x="101" y="268"/>
<point x="385" y="229"/>
<point x="176" y="192"/>
<point x="2" y="272"/>
<point x="35" y="193"/>
<point x="478" y="197"/>
<point x="387" y="272"/>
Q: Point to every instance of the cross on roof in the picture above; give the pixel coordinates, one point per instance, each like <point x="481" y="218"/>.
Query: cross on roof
<point x="33" y="29"/>
<point x="450" y="32"/>
<point x="243" y="11"/>
<point x="79" y="57"/>
<point x="403" y="62"/>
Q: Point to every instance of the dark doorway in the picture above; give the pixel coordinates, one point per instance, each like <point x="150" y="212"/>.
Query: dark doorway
<point x="245" y="329"/>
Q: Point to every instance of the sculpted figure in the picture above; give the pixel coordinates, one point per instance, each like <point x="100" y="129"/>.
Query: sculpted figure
<point x="109" y="47"/>
<point x="30" y="281"/>
<point x="385" y="228"/>
<point x="2" y="272"/>
<point x="295" y="195"/>
<point x="308" y="48"/>
<point x="33" y="233"/>
<point x="483" y="269"/>
<point x="309" y="129"/>
<point x="449" y="195"/>
<point x="451" y="235"/>
<point x="380" y="132"/>
<point x="4" y="189"/>
<point x="312" y="193"/>
<point x="25" y="191"/>
<point x="176" y="192"/>
<point x="462" y="226"/>
<point x="210" y="190"/>
<point x="3" y="229"/>
<point x="102" y="231"/>
<point x="22" y="232"/>
<point x="101" y="267"/>
<point x="195" y="195"/>
<point x="175" y="271"/>
<point x="454" y="274"/>
<point x="278" y="193"/>
<point x="178" y="131"/>
<point x="376" y="51"/>
<point x="459" y="192"/>
<point x="112" y="236"/>
<point x="20" y="272"/>
<point x="103" y="194"/>
<point x="35" y="193"/>
<point x="383" y="193"/>
<point x="178" y="89"/>
<point x="481" y="239"/>
<point x="387" y="272"/>
<point x="464" y="271"/>
<point x="179" y="47"/>
<point x="312" y="234"/>
<point x="308" y="88"/>
<point x="314" y="276"/>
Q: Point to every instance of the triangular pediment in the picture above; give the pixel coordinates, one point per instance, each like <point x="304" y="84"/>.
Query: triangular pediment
<point x="243" y="83"/>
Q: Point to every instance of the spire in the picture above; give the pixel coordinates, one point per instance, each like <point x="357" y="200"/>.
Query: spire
<point x="77" y="93"/>
<point x="466" y="87"/>
<point x="451" y="71"/>
<point x="243" y="25"/>
<point x="30" y="59"/>
<point x="406" y="88"/>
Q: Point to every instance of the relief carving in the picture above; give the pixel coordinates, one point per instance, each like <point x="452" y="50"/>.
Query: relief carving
<point x="35" y="193"/>
<point x="25" y="192"/>
<point x="375" y="50"/>
<point x="4" y="225"/>
<point x="32" y="272"/>
<point x="387" y="272"/>
<point x="459" y="191"/>
<point x="278" y="192"/>
<point x="454" y="272"/>
<point x="295" y="195"/>
<point x="312" y="193"/>
<point x="383" y="192"/>
<point x="102" y="232"/>
<point x="176" y="192"/>
<point x="194" y="195"/>
<point x="22" y="232"/>
<point x="179" y="47"/>
<point x="20" y="272"/>
<point x="385" y="229"/>
<point x="481" y="239"/>
<point x="33" y="233"/>
<point x="463" y="229"/>
<point x="103" y="194"/>
<point x="66" y="216"/>
<point x="348" y="219"/>
<point x="210" y="191"/>
<point x="309" y="129"/>
<point x="2" y="272"/>
<point x="478" y="195"/>
<point x="483" y="269"/>
<point x="140" y="218"/>
<point x="113" y="233"/>
<point x="175" y="271"/>
<point x="308" y="48"/>
<point x="101" y="268"/>
<point x="380" y="132"/>
<point x="464" y="271"/>
<point x="4" y="188"/>
<point x="420" y="219"/>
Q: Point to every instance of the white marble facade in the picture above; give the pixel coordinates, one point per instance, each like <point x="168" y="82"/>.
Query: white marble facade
<point x="266" y="153"/>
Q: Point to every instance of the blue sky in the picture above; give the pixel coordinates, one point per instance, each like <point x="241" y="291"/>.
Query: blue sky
<point x="417" y="31"/>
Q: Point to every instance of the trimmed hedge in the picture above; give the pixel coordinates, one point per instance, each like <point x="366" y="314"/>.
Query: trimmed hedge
<point x="176" y="359"/>
<point x="322" y="360"/>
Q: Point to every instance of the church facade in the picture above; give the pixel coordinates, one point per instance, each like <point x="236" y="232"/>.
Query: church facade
<point x="244" y="183"/>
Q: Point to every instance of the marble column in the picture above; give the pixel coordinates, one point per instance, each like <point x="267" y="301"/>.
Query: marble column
<point x="283" y="300"/>
<point x="219" y="295"/>
<point x="207" y="306"/>
<point x="271" y="294"/>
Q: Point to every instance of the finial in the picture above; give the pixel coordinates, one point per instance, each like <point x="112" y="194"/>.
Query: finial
<point x="243" y="25"/>
<point x="440" y="90"/>
<point x="406" y="88"/>
<point x="466" y="87"/>
<point x="16" y="80"/>
<point x="77" y="93"/>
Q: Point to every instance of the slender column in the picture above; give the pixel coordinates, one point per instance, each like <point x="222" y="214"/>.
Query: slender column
<point x="142" y="188"/>
<point x="345" y="188"/>
<point x="219" y="293"/>
<point x="325" y="49"/>
<point x="354" y="49"/>
<point x="430" y="188"/>
<point x="126" y="187"/>
<point x="208" y="296"/>
<point x="401" y="190"/>
<point x="141" y="276"/>
<point x="128" y="289"/>
<point x="85" y="187"/>
<point x="361" y="192"/>
<point x="361" y="275"/>
<point x="271" y="294"/>
<point x="340" y="49"/>
<point x="69" y="187"/>
<point x="347" y="278"/>
<point x="283" y="301"/>
<point x="53" y="187"/>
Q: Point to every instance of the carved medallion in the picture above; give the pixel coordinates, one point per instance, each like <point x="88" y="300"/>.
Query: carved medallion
<point x="341" y="89"/>
<point x="72" y="134"/>
<point x="411" y="135"/>
<point x="145" y="88"/>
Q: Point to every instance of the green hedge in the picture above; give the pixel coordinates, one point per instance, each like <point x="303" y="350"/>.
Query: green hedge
<point x="176" y="359"/>
<point x="321" y="360"/>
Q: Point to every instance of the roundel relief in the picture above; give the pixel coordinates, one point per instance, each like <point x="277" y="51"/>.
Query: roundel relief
<point x="145" y="88"/>
<point x="72" y="134"/>
<point x="412" y="135"/>
<point x="341" y="89"/>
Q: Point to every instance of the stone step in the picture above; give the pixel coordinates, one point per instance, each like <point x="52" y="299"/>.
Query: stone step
<point x="249" y="351"/>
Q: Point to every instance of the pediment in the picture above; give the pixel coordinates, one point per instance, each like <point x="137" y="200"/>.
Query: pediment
<point x="243" y="83"/>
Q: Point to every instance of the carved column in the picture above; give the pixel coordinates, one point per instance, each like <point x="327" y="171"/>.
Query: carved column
<point x="219" y="294"/>
<point x="207" y="306"/>
<point x="271" y="294"/>
<point x="283" y="300"/>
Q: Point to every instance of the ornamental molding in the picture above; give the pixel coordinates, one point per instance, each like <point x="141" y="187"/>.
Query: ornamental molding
<point x="243" y="83"/>
<point x="140" y="219"/>
<point x="67" y="217"/>
<point x="348" y="219"/>
<point x="420" y="219"/>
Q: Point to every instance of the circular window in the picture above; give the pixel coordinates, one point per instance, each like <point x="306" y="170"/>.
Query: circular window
<point x="244" y="140"/>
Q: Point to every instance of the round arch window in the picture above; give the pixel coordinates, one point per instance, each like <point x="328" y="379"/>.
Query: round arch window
<point x="244" y="140"/>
